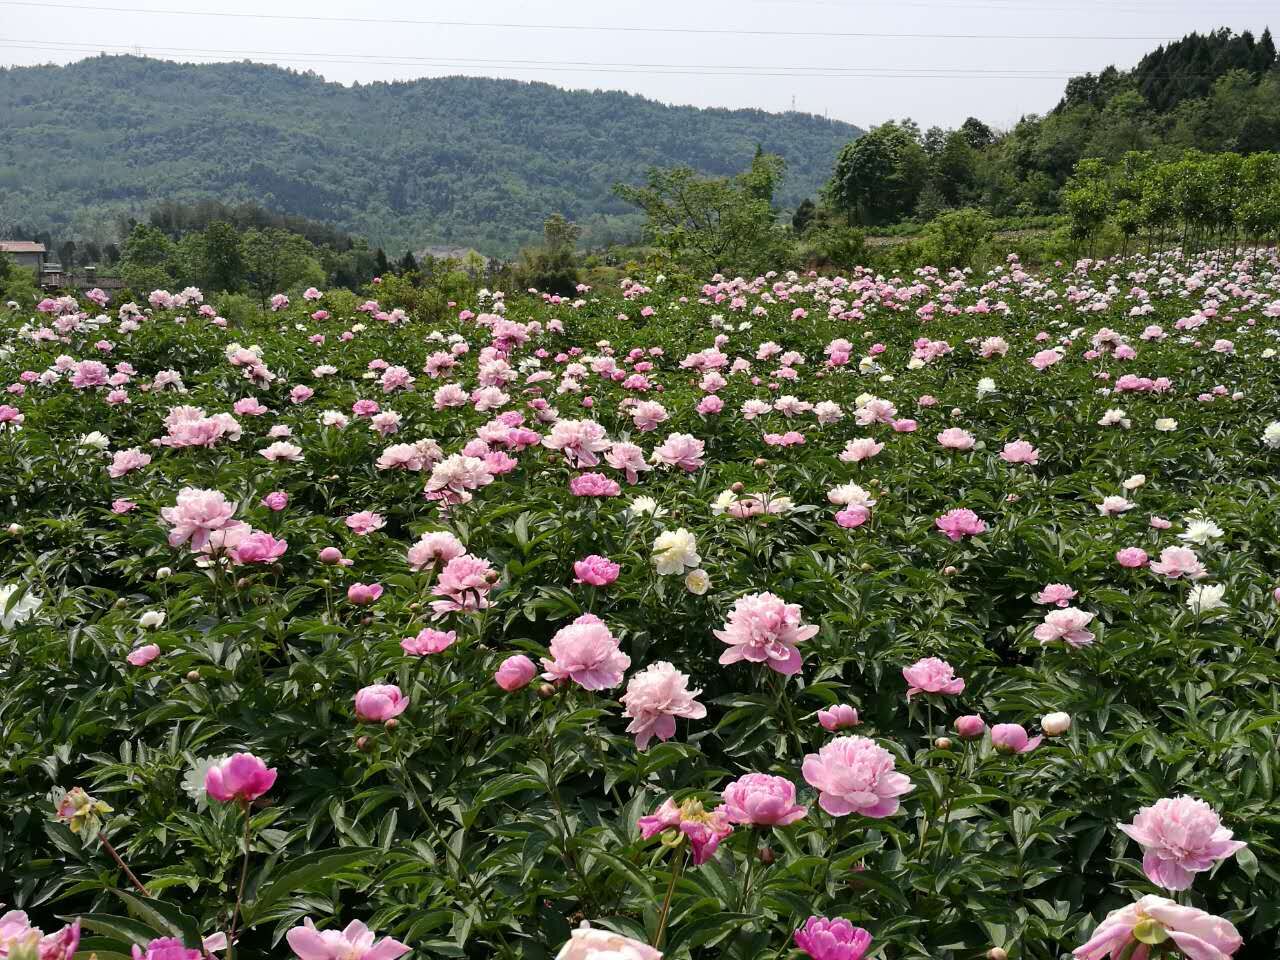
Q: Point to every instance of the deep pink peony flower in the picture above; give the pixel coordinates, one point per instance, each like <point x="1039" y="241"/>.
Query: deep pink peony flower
<point x="593" y="485"/>
<point x="276" y="500"/>
<point x="703" y="828"/>
<point x="515" y="673"/>
<point x="961" y="523"/>
<point x="1180" y="837"/>
<point x="16" y="931"/>
<point x="763" y="628"/>
<point x="1013" y="738"/>
<point x="853" y="516"/>
<point x="586" y="653"/>
<point x="839" y="717"/>
<point x="596" y="570"/>
<point x="762" y="801"/>
<point x="241" y="777"/>
<point x="825" y="939"/>
<point x="1195" y="934"/>
<point x="428" y="641"/>
<point x="655" y="697"/>
<point x="932" y="675"/>
<point x="165" y="948"/>
<point x="379" y="702"/>
<point x="855" y="775"/>
<point x="354" y="942"/>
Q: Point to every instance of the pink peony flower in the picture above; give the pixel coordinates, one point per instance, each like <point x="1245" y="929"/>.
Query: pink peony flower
<point x="655" y="697"/>
<point x="593" y="485"/>
<point x="954" y="438"/>
<point x="126" y="461"/>
<point x="1020" y="451"/>
<point x="824" y="939"/>
<point x="586" y="653"/>
<point x="258" y="547"/>
<point x="587" y="943"/>
<point x="853" y="516"/>
<point x="122" y="505"/>
<point x="1195" y="934"/>
<point x="515" y="673"/>
<point x="762" y="628"/>
<point x="838" y="717"/>
<point x="596" y="570"/>
<point x="961" y="523"/>
<point x="970" y="727"/>
<point x="855" y="775"/>
<point x="1131" y="557"/>
<point x="428" y="641"/>
<point x="196" y="514"/>
<point x="16" y="933"/>
<point x="364" y="593"/>
<point x="276" y="500"/>
<point x="242" y="777"/>
<point x="863" y="448"/>
<point x="1058" y="594"/>
<point x="464" y="584"/>
<point x="703" y="828"/>
<point x="165" y="948"/>
<point x="1012" y="738"/>
<point x="931" y="675"/>
<point x="1180" y="837"/>
<point x="365" y="522"/>
<point x="354" y="942"/>
<point x="435" y="547"/>
<point x="762" y="801"/>
<point x="1178" y="562"/>
<point x="1067" y="625"/>
<point x="379" y="702"/>
<point x="141" y="656"/>
<point x="680" y="450"/>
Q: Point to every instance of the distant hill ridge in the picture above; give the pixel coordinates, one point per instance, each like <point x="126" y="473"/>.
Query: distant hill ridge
<point x="455" y="161"/>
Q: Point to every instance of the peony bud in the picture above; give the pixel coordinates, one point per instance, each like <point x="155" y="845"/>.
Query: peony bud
<point x="766" y="855"/>
<point x="164" y="573"/>
<point x="362" y="743"/>
<point x="970" y="727"/>
<point x="865" y="567"/>
<point x="1055" y="724"/>
<point x="546" y="691"/>
<point x="943" y="743"/>
<point x="15" y="529"/>
<point x="193" y="675"/>
<point x="949" y="571"/>
<point x="391" y="724"/>
<point x="761" y="462"/>
<point x="738" y="487"/>
<point x="997" y="953"/>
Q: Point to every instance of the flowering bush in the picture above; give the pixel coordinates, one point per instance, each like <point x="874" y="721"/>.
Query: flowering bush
<point x="923" y="617"/>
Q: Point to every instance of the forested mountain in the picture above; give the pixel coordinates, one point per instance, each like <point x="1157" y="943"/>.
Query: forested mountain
<point x="459" y="160"/>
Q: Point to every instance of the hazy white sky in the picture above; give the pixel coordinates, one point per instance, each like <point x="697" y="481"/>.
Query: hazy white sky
<point x="823" y="55"/>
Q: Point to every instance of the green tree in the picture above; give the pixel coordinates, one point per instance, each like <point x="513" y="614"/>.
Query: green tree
<point x="145" y="260"/>
<point x="275" y="260"/>
<point x="552" y="267"/>
<point x="803" y="217"/>
<point x="879" y="176"/>
<point x="713" y="224"/>
<point x="223" y="257"/>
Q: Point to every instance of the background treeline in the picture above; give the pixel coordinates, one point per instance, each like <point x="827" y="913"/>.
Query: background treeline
<point x="456" y="161"/>
<point x="1217" y="92"/>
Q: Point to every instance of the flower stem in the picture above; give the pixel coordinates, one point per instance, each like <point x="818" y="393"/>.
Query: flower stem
<point x="106" y="845"/>
<point x="676" y="868"/>
<point x="244" y="876"/>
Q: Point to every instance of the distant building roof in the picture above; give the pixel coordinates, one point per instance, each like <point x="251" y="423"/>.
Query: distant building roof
<point x="21" y="246"/>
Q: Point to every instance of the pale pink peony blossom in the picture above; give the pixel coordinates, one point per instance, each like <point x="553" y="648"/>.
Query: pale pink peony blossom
<point x="195" y="515"/>
<point x="587" y="943"/>
<point x="428" y="641"/>
<point x="763" y="628"/>
<point x="1178" y="562"/>
<point x="586" y="653"/>
<point x="354" y="942"/>
<point x="1057" y="594"/>
<point x="838" y="717"/>
<point x="1068" y="625"/>
<point x="1013" y="738"/>
<point x="464" y="585"/>
<point x="1193" y="933"/>
<point x="932" y="675"/>
<point x="961" y="523"/>
<point x="1180" y="837"/>
<point x="436" y="547"/>
<point x="655" y="697"/>
<point x="1020" y="451"/>
<point x="855" y="775"/>
<point x="515" y="673"/>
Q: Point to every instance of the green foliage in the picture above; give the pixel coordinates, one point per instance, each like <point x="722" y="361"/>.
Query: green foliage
<point x="275" y="260"/>
<point x="957" y="239"/>
<point x="879" y="176"/>
<point x="551" y="267"/>
<point x="145" y="259"/>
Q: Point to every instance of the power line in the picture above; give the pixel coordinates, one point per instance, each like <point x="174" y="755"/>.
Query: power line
<point x="514" y="63"/>
<point x="578" y="27"/>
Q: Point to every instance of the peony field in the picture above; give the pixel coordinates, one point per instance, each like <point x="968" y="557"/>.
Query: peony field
<point x="931" y="616"/>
